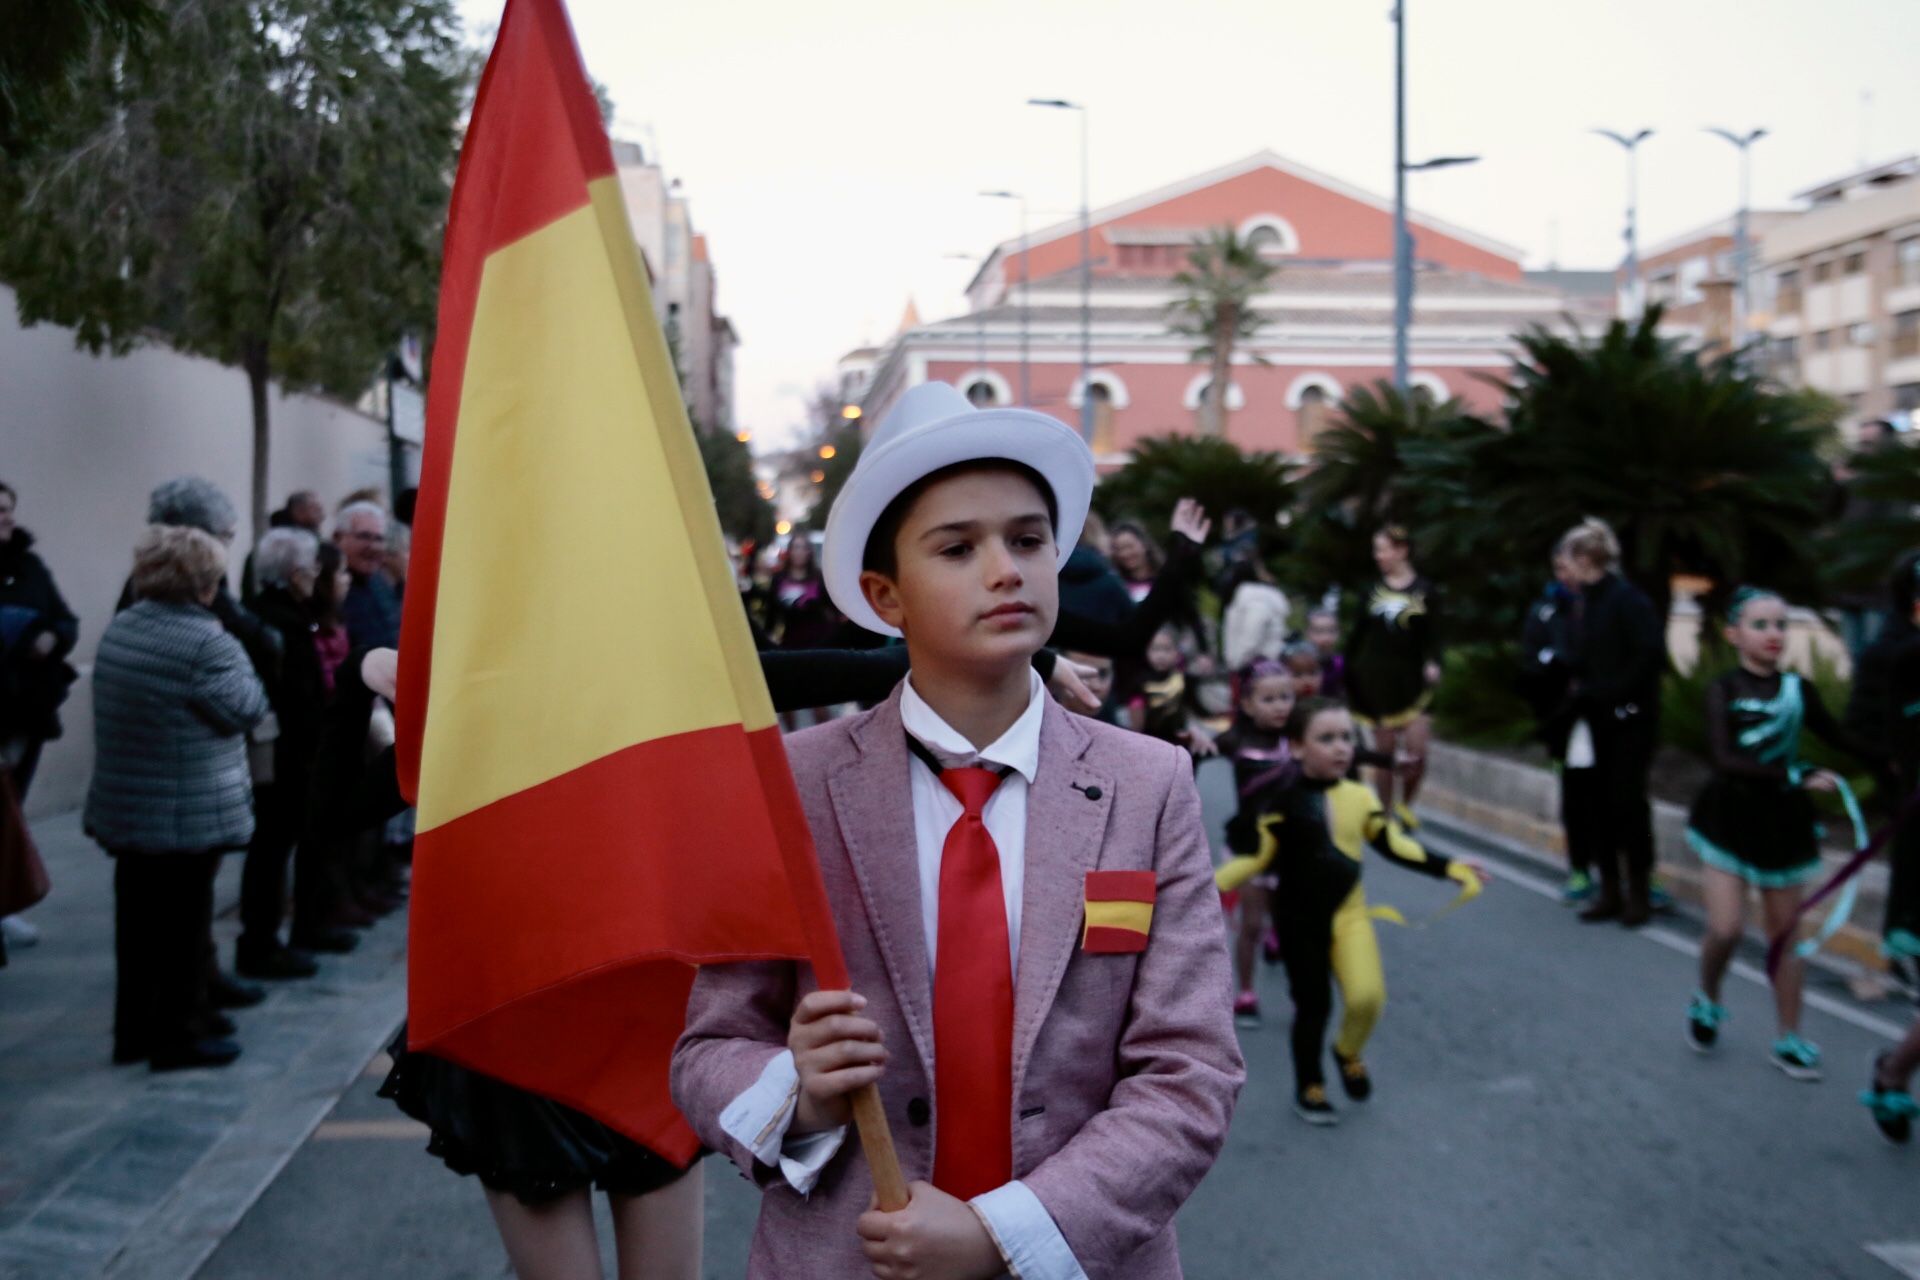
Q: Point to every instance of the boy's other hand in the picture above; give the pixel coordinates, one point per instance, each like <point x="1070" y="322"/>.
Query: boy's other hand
<point x="936" y="1237"/>
<point x="1069" y="687"/>
<point x="836" y="1051"/>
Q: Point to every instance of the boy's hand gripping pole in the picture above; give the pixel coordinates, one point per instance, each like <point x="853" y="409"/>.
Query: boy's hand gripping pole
<point x="876" y="1139"/>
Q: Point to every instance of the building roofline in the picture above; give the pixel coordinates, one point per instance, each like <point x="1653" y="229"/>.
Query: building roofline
<point x="1263" y="159"/>
<point x="1906" y="165"/>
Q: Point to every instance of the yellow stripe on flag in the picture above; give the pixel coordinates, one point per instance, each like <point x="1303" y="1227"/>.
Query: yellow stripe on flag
<point x="574" y="566"/>
<point x="1137" y="916"/>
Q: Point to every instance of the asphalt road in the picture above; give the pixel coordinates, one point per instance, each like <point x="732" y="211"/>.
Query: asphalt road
<point x="1537" y="1114"/>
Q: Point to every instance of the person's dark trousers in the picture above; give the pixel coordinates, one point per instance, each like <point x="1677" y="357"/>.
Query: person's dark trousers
<point x="1583" y="815"/>
<point x="1306" y="948"/>
<point x="1623" y="758"/>
<point x="1903" y="885"/>
<point x="277" y="814"/>
<point x="162" y="915"/>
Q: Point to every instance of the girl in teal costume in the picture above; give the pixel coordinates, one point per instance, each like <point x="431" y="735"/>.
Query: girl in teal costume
<point x="1754" y="825"/>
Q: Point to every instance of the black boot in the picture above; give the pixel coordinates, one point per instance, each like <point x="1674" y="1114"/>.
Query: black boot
<point x="1609" y="903"/>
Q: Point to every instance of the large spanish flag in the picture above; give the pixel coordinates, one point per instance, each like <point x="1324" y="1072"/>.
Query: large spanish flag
<point x="604" y="801"/>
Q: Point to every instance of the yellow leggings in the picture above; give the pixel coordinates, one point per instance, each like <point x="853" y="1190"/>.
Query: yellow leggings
<point x="1346" y="952"/>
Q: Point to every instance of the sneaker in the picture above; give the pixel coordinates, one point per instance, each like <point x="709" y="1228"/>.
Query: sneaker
<point x="195" y="1053"/>
<point x="1798" y="1057"/>
<point x="1353" y="1077"/>
<point x="1704" y="1019"/>
<point x="19" y="932"/>
<point x="229" y="993"/>
<point x="1246" y="1010"/>
<point x="1577" y="891"/>
<point x="1893" y="1109"/>
<point x="1657" y="896"/>
<point x="1270" y="946"/>
<point x="1898" y="942"/>
<point x="1311" y="1105"/>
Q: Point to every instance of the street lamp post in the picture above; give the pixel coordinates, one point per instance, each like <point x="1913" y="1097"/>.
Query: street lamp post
<point x="1403" y="238"/>
<point x="1026" y="389"/>
<point x="1631" y="146"/>
<point x="1742" y="269"/>
<point x="1086" y="270"/>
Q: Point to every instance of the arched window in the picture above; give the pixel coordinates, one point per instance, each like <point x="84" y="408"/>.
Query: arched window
<point x="1101" y="397"/>
<point x="1429" y="386"/>
<point x="1312" y="416"/>
<point x="1197" y="390"/>
<point x="1269" y="235"/>
<point x="984" y="388"/>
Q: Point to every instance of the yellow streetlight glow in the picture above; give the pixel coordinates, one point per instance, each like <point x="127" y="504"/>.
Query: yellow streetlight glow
<point x="851" y="412"/>
<point x="744" y="436"/>
<point x="784" y="528"/>
<point x="827" y="451"/>
<point x="818" y="476"/>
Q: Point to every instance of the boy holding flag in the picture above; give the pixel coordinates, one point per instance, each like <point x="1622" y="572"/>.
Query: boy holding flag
<point x="1025" y="902"/>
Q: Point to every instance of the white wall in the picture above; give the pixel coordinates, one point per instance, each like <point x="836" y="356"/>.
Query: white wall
<point x="84" y="440"/>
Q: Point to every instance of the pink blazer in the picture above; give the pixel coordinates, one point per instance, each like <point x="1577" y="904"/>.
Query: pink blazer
<point x="1125" y="1065"/>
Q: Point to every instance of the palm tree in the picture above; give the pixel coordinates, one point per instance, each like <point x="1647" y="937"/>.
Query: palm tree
<point x="1388" y="458"/>
<point x="1701" y="467"/>
<point x="1222" y="277"/>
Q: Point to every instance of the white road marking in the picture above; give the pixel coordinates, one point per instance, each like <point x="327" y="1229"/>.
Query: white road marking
<point x="353" y="1130"/>
<point x="1685" y="946"/>
<point x="1904" y="1258"/>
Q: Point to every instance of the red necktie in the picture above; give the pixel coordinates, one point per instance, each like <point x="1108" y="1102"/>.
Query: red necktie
<point x="972" y="1002"/>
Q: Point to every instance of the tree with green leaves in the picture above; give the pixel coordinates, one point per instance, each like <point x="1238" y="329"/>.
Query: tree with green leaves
<point x="1222" y="277"/>
<point x="1165" y="469"/>
<point x="1700" y="466"/>
<point x="744" y="514"/>
<point x="263" y="182"/>
<point x="44" y="44"/>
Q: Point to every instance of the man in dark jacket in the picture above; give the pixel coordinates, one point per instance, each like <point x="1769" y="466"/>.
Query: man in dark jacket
<point x="1549" y="655"/>
<point x="372" y="608"/>
<point x="37" y="632"/>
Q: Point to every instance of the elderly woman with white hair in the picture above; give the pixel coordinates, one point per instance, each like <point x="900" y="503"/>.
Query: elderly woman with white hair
<point x="174" y="696"/>
<point x="286" y="567"/>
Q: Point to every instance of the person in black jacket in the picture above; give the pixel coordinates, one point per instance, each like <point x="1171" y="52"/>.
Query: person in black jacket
<point x="286" y="567"/>
<point x="37" y="632"/>
<point x="1549" y="643"/>
<point x="1616" y="690"/>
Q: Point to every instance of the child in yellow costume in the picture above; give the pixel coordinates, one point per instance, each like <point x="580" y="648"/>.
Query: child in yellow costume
<point x="1313" y="834"/>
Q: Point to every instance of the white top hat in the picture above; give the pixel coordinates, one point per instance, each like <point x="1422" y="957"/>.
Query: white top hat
<point x="934" y="426"/>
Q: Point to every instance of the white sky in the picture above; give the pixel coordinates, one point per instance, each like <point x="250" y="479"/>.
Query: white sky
<point x="832" y="149"/>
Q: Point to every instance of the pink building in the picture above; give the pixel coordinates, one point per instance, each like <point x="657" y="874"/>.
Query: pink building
<point x="1328" y="312"/>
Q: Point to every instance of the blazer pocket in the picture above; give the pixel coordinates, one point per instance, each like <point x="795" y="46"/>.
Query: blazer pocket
<point x="1119" y="912"/>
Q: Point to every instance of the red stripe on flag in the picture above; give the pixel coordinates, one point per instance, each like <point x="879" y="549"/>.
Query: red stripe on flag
<point x="534" y="142"/>
<point x="572" y="945"/>
<point x="1105" y="939"/>
<point x="1120" y="886"/>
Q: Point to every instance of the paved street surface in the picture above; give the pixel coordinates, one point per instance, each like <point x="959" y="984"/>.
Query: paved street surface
<point x="1537" y="1115"/>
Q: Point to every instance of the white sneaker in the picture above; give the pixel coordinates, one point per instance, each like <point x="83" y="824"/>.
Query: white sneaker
<point x="18" y="932"/>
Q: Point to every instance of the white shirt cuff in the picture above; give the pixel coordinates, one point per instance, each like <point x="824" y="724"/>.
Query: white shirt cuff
<point x="1026" y="1234"/>
<point x="758" y="1120"/>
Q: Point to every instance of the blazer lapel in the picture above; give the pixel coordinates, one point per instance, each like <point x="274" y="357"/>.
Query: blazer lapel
<point x="872" y="799"/>
<point x="1065" y="826"/>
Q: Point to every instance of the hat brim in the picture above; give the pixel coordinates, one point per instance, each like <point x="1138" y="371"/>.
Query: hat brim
<point x="1047" y="445"/>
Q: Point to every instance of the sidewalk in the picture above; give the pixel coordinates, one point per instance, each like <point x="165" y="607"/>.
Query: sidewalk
<point x="115" y="1172"/>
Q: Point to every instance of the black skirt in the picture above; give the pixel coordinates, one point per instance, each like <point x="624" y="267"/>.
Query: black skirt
<point x="514" y="1141"/>
<point x="1766" y="833"/>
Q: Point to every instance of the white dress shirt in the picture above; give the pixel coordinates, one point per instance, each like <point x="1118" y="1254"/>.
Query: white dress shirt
<point x="1021" y="1226"/>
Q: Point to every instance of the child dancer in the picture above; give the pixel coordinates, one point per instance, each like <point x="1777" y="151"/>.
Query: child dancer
<point x="1753" y="824"/>
<point x="1164" y="707"/>
<point x="1302" y="660"/>
<point x="1257" y="745"/>
<point x="1314" y="834"/>
<point x="1323" y="633"/>
<point x="1889" y="1091"/>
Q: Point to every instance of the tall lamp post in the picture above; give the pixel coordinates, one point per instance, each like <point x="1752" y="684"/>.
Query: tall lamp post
<point x="1631" y="145"/>
<point x="1742" y="268"/>
<point x="1086" y="270"/>
<point x="1402" y="238"/>
<point x="1026" y="389"/>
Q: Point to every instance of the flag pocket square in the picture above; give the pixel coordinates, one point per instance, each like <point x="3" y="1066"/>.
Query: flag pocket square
<point x="1119" y="912"/>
